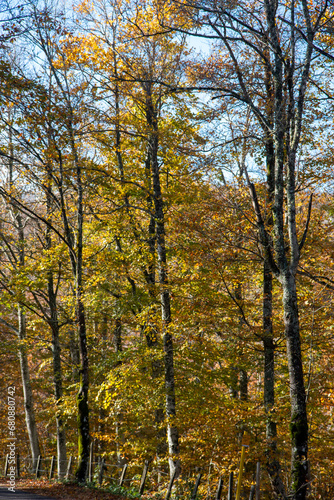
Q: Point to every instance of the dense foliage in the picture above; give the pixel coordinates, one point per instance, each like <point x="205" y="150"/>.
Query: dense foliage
<point x="166" y="235"/>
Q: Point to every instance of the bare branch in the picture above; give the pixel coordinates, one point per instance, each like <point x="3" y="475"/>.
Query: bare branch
<point x="301" y="244"/>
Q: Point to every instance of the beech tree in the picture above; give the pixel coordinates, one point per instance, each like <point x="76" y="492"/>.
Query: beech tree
<point x="59" y="150"/>
<point x="269" y="36"/>
<point x="133" y="70"/>
<point x="13" y="243"/>
<point x="14" y="259"/>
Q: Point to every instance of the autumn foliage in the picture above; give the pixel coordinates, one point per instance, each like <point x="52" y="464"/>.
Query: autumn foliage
<point x="138" y="219"/>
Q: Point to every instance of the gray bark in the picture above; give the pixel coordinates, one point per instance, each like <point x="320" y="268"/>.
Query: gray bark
<point x="74" y="354"/>
<point x="299" y="423"/>
<point x="287" y="269"/>
<point x="272" y="460"/>
<point x="24" y="365"/>
<point x="172" y="431"/>
<point x="283" y="125"/>
<point x="287" y="120"/>
<point x="27" y="391"/>
<point x="57" y="382"/>
<point x="273" y="464"/>
<point x="56" y="352"/>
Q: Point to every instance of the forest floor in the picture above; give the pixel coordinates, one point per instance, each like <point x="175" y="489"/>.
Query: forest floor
<point x="63" y="491"/>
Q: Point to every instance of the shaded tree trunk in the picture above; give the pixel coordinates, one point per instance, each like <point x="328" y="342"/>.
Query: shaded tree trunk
<point x="117" y="336"/>
<point x="74" y="354"/>
<point x="117" y="343"/>
<point x="153" y="144"/>
<point x="273" y="465"/>
<point x="57" y="382"/>
<point x="56" y="349"/>
<point x="243" y="384"/>
<point x="287" y="128"/>
<point x="299" y="424"/>
<point x="82" y="396"/>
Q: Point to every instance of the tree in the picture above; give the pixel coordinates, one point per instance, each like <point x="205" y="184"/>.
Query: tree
<point x="134" y="71"/>
<point x="59" y="150"/>
<point x="270" y="38"/>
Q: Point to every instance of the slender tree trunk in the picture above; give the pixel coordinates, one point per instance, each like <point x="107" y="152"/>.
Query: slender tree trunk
<point x="56" y="350"/>
<point x="57" y="379"/>
<point x="172" y="431"/>
<point x="287" y="131"/>
<point x="298" y="425"/>
<point x="24" y="365"/>
<point x="269" y="354"/>
<point x="74" y="355"/>
<point x="243" y="384"/>
<point x="117" y="343"/>
<point x="76" y="261"/>
<point x="82" y="396"/>
<point x="27" y="391"/>
<point x="77" y="267"/>
<point x="273" y="465"/>
<point x="117" y="336"/>
<point x="102" y="411"/>
<point x="75" y="255"/>
<point x="58" y="393"/>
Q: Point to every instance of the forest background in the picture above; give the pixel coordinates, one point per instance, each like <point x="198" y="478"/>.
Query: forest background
<point x="166" y="234"/>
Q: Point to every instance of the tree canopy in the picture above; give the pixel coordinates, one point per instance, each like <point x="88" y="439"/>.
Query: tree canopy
<point x="166" y="234"/>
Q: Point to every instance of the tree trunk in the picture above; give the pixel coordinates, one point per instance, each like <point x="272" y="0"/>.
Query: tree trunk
<point x="27" y="391"/>
<point x="298" y="425"/>
<point x="273" y="465"/>
<point x="117" y="336"/>
<point x="286" y="138"/>
<point x="77" y="265"/>
<point x="58" y="392"/>
<point x="172" y="431"/>
<point x="74" y="354"/>
<point x="56" y="351"/>
<point x="117" y="343"/>
<point x="243" y="384"/>
<point x="82" y="396"/>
